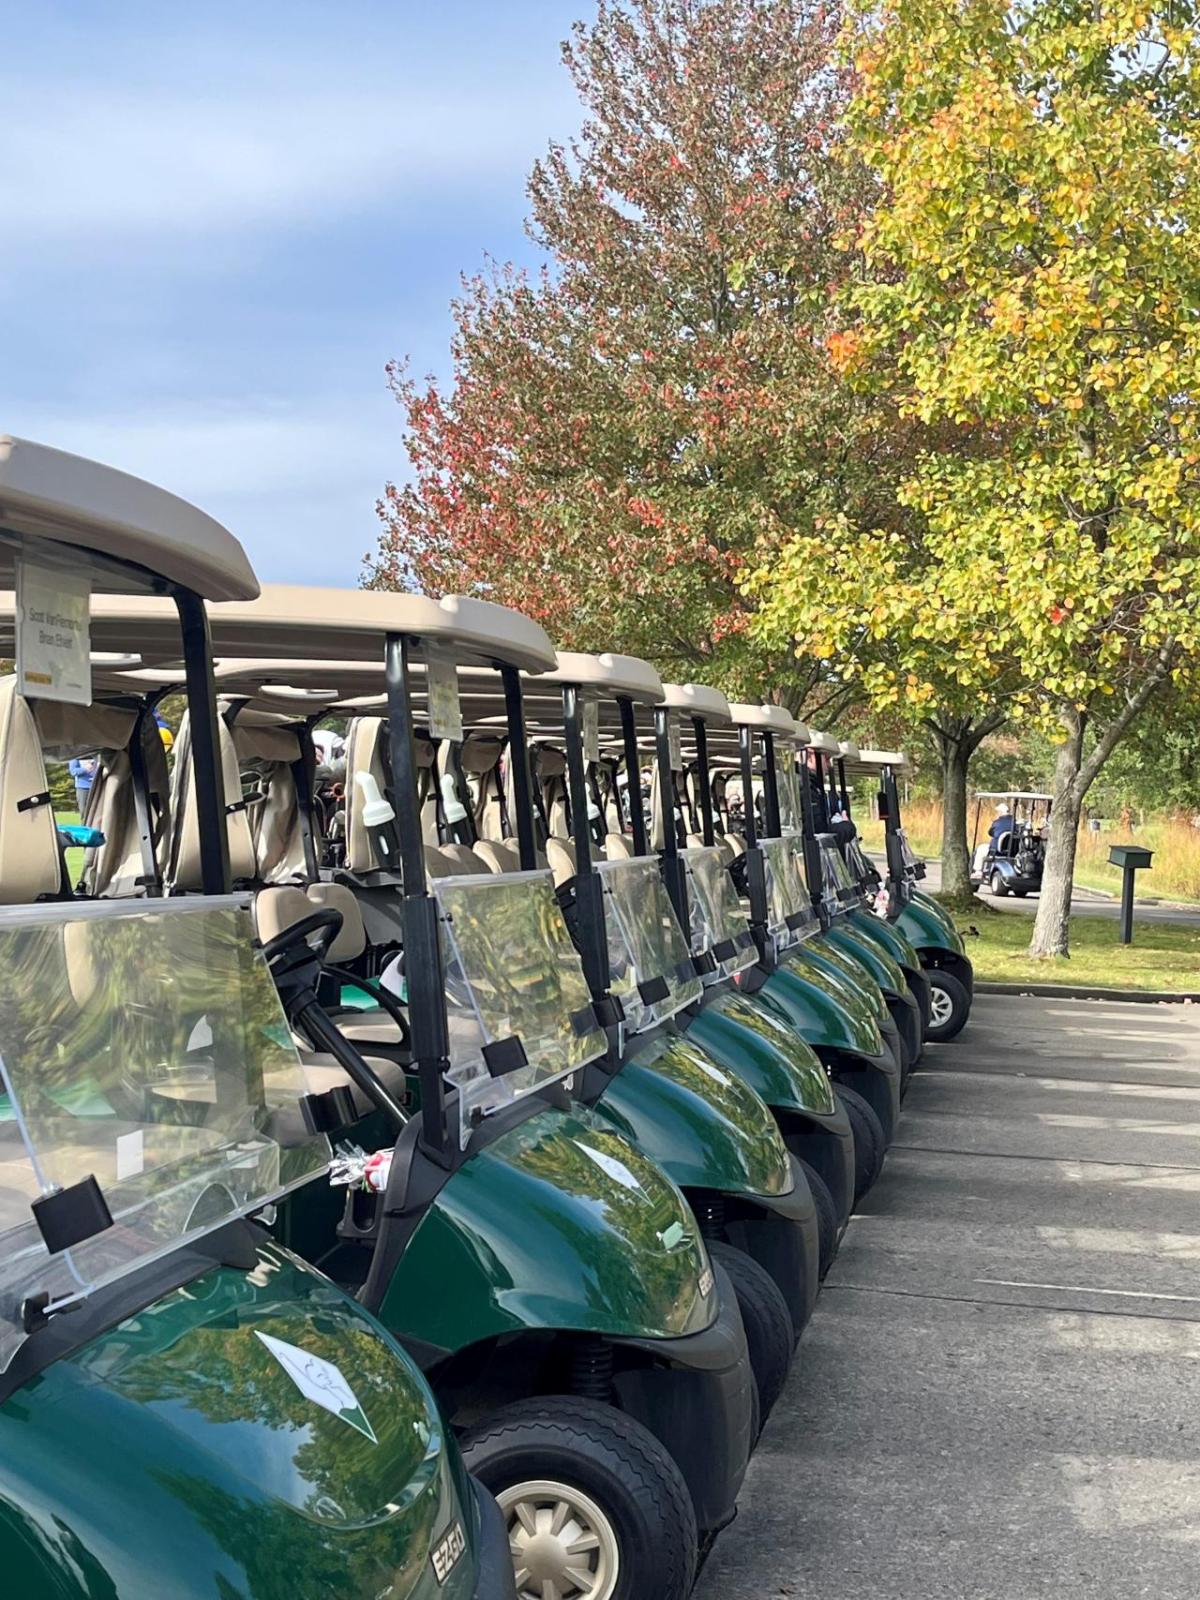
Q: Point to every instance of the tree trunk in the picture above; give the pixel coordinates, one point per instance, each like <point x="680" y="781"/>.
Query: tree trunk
<point x="956" y="740"/>
<point x="1073" y="777"/>
<point x="956" y="856"/>
<point x="1051" y="928"/>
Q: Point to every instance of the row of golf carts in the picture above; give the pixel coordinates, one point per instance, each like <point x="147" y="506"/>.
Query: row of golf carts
<point x="415" y="1177"/>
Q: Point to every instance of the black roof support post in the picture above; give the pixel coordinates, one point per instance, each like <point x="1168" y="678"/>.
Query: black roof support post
<point x="704" y="781"/>
<point x="589" y="891"/>
<point x="206" y="748"/>
<point x="633" y="776"/>
<point x="520" y="781"/>
<point x="672" y="862"/>
<point x="774" y="824"/>
<point x="422" y="947"/>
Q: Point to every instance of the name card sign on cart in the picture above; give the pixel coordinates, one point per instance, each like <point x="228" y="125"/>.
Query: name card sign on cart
<point x="54" y="634"/>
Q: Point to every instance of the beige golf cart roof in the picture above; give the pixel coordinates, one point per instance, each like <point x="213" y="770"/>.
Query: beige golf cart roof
<point x="611" y="674"/>
<point x="336" y="624"/>
<point x="1010" y="794"/>
<point x="824" y="742"/>
<point x="64" y="499"/>
<point x="848" y="750"/>
<point x="769" y="719"/>
<point x="698" y="700"/>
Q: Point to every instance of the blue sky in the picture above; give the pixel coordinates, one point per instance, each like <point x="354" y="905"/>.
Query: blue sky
<point x="221" y="220"/>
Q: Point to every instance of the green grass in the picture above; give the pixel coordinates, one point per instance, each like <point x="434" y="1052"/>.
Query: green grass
<point x="1163" y="955"/>
<point x="75" y="853"/>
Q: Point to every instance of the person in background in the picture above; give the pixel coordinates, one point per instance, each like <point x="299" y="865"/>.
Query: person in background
<point x="1003" y="823"/>
<point x="83" y="773"/>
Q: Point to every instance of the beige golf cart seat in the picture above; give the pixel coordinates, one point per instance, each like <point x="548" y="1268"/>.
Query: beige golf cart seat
<point x="267" y="749"/>
<point x="118" y="868"/>
<point x="30" y="860"/>
<point x="183" y="872"/>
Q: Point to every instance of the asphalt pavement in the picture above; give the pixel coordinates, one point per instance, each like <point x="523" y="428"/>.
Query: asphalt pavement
<point x="996" y="1397"/>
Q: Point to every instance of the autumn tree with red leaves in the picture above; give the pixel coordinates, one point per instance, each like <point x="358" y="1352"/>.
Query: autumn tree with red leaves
<point x="621" y="431"/>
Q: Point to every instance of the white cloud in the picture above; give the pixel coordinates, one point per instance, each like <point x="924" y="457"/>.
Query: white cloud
<point x="83" y="160"/>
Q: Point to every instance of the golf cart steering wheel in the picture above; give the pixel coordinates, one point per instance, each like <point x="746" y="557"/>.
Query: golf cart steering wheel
<point x="318" y="931"/>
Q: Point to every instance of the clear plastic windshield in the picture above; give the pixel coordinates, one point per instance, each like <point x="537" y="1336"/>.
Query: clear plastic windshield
<point x="913" y="863"/>
<point x="789" y="908"/>
<point x="142" y="1044"/>
<point x="511" y="972"/>
<point x="839" y="880"/>
<point x="650" y="965"/>
<point x="862" y="869"/>
<point x="719" y="924"/>
<point x="787" y="781"/>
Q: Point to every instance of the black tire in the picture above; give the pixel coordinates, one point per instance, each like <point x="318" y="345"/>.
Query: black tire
<point x="870" y="1142"/>
<point x="998" y="886"/>
<point x="1020" y="893"/>
<point x="960" y="1006"/>
<point x="827" y="1217"/>
<point x="770" y="1336"/>
<point x="612" y="1460"/>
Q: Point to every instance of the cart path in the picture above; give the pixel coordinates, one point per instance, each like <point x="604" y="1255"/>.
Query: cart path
<point x="996" y="1397"/>
<point x="1084" y="902"/>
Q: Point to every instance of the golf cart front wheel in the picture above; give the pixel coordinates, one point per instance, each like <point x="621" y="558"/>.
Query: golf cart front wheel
<point x="870" y="1141"/>
<point x="998" y="886"/>
<point x="770" y="1336"/>
<point x="595" y="1507"/>
<point x="827" y="1217"/>
<point x="949" y="1006"/>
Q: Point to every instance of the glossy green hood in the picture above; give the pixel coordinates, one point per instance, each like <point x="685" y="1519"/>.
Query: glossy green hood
<point x="929" y="926"/>
<point x="701" y="1123"/>
<point x="875" y="961"/>
<point x="845" y="978"/>
<point x="252" y="1436"/>
<point x="559" y="1223"/>
<point x="745" y="1036"/>
<point x="805" y="997"/>
<point x="887" y="936"/>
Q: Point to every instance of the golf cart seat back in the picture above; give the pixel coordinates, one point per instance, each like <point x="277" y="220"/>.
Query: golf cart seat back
<point x="366" y="752"/>
<point x="118" y="868"/>
<point x="480" y="759"/>
<point x="562" y="860"/>
<point x="184" y="872"/>
<point x="550" y="775"/>
<point x="30" y="860"/>
<point x="618" y="847"/>
<point x="267" y="750"/>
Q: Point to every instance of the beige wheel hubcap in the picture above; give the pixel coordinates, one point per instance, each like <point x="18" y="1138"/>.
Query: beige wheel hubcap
<point x="563" y="1546"/>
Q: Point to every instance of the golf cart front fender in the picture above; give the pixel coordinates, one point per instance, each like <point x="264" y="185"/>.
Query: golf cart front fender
<point x="559" y="1224"/>
<point x="180" y="1453"/>
<point x="746" y="1035"/>
<point x="698" y="1121"/>
<point x="697" y="1400"/>
<point x="809" y="1002"/>
<point x="886" y="936"/>
<point x="937" y="941"/>
<point x="773" y="1059"/>
<point x="877" y="962"/>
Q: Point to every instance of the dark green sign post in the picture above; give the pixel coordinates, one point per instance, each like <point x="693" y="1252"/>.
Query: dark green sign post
<point x="1130" y="858"/>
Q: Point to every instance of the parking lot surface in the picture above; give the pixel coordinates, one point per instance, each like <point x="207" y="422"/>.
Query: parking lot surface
<point x="997" y="1396"/>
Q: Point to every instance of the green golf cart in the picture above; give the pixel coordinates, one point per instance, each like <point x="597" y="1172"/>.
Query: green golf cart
<point x="186" y="1408"/>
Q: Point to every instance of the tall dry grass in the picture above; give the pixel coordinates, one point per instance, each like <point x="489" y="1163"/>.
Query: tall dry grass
<point x="1173" y="875"/>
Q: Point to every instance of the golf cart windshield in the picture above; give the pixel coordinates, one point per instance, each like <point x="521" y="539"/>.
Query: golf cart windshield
<point x="789" y="909"/>
<point x="517" y="1003"/>
<point x="650" y="968"/>
<point x="837" y="881"/>
<point x="142" y="1044"/>
<point x="719" y="924"/>
<point x="861" y="868"/>
<point x="787" y="781"/>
